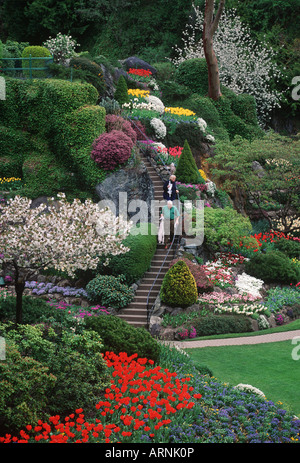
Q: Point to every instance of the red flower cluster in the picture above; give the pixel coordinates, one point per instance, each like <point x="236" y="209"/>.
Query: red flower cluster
<point x="172" y="151"/>
<point x="262" y="238"/>
<point x="142" y="398"/>
<point x="272" y="237"/>
<point x="140" y="72"/>
<point x="230" y="259"/>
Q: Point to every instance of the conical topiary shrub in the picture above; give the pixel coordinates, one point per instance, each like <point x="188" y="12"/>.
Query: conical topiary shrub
<point x="121" y="93"/>
<point x="187" y="170"/>
<point x="179" y="288"/>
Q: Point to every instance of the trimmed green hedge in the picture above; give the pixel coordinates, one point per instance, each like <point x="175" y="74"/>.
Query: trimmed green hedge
<point x="193" y="74"/>
<point x="134" y="263"/>
<point x="57" y="120"/>
<point x="205" y="108"/>
<point x="234" y="124"/>
<point x="222" y="324"/>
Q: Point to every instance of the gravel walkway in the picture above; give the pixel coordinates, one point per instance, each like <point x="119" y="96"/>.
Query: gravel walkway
<point x="259" y="339"/>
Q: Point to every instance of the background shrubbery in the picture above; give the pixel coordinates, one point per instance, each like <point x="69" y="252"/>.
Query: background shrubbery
<point x="118" y="336"/>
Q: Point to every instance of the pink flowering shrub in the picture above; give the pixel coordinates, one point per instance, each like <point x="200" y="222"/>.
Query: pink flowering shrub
<point x="111" y="149"/>
<point x="202" y="280"/>
<point x="114" y="122"/>
<point x="186" y="333"/>
<point x="139" y="129"/>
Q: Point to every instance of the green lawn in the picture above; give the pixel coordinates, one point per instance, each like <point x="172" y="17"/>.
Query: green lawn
<point x="270" y="367"/>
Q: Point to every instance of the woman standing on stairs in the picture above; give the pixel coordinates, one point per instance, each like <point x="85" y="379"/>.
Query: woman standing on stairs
<point x="169" y="189"/>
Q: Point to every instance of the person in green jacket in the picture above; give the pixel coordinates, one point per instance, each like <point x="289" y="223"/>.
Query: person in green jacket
<point x="171" y="214"/>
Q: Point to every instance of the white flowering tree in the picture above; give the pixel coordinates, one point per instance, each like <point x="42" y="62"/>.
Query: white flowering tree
<point x="245" y="65"/>
<point x="63" y="236"/>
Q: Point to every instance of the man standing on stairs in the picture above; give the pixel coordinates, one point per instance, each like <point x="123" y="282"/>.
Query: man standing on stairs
<point x="169" y="189"/>
<point x="170" y="216"/>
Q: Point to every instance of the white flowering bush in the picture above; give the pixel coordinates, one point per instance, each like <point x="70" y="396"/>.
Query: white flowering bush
<point x="262" y="322"/>
<point x="62" y="47"/>
<point x="245" y="66"/>
<point x="159" y="127"/>
<point x="248" y="284"/>
<point x="201" y="124"/>
<point x="156" y="103"/>
<point x="250" y="389"/>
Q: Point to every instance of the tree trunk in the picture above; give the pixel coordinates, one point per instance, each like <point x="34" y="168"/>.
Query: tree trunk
<point x="209" y="28"/>
<point x="19" y="287"/>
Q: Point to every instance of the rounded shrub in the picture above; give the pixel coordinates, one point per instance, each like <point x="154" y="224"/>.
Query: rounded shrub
<point x="72" y="359"/>
<point x="119" y="336"/>
<point x="179" y="286"/>
<point x="109" y="291"/>
<point x="115" y="122"/>
<point x="193" y="74"/>
<point x="273" y="267"/>
<point x="134" y="263"/>
<point x="111" y="149"/>
<point x="35" y="52"/>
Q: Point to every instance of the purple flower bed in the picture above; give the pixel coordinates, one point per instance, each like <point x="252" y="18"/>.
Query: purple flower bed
<point x="228" y="414"/>
<point x="50" y="288"/>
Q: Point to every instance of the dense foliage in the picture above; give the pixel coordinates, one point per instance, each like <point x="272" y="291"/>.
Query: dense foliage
<point x="142" y="243"/>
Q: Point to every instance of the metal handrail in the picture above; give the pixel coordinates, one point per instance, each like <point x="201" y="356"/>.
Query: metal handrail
<point x="47" y="59"/>
<point x="149" y="311"/>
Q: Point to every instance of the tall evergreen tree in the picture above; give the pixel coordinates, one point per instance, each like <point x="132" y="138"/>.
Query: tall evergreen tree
<point x="187" y="170"/>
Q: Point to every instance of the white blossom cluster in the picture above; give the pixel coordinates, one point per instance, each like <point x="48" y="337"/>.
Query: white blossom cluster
<point x="251" y="389"/>
<point x="244" y="309"/>
<point x="135" y="103"/>
<point x="201" y="124"/>
<point x="159" y="127"/>
<point x="248" y="284"/>
<point x="156" y="102"/>
<point x="66" y="237"/>
<point x="62" y="47"/>
<point x="245" y="66"/>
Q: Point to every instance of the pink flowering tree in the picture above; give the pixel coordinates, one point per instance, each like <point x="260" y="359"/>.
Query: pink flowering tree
<point x="63" y="236"/>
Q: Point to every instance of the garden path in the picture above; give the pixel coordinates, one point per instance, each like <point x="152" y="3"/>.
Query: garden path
<point x="247" y="340"/>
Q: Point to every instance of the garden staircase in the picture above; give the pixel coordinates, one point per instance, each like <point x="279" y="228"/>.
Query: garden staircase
<point x="136" y="312"/>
